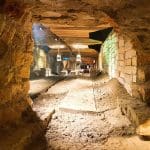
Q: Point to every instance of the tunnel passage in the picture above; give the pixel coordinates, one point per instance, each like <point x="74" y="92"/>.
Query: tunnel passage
<point x="17" y="46"/>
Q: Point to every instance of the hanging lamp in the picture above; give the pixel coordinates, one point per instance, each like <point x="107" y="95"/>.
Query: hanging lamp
<point x="78" y="56"/>
<point x="58" y="56"/>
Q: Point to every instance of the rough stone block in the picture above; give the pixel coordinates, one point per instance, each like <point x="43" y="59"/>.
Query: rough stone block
<point x="134" y="70"/>
<point x="121" y="57"/>
<point x="119" y="68"/>
<point x="130" y="54"/>
<point x="121" y="50"/>
<point x="121" y="63"/>
<point x="121" y="42"/>
<point x="128" y="62"/>
<point x="141" y="75"/>
<point x="122" y="75"/>
<point x="130" y="70"/>
<point x="134" y="61"/>
<point x="128" y="45"/>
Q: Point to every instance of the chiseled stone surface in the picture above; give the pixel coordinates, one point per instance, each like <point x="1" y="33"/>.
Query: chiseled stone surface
<point x="15" y="60"/>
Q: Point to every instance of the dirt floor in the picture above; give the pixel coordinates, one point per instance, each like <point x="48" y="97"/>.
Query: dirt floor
<point x="86" y="116"/>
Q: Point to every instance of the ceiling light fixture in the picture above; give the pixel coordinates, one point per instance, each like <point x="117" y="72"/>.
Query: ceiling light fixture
<point x="78" y="45"/>
<point x="78" y="56"/>
<point x="58" y="56"/>
<point x="57" y="46"/>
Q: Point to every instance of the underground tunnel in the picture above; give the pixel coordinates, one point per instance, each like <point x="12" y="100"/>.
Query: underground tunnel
<point x="74" y="75"/>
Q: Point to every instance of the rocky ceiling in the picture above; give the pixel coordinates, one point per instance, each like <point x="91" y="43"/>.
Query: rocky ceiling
<point x="72" y="20"/>
<point x="76" y="18"/>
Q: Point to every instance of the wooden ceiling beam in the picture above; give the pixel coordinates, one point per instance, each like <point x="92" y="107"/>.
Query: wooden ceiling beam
<point x="72" y="33"/>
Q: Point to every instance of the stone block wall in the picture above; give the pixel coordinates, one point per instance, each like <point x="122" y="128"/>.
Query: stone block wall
<point x="124" y="58"/>
<point x="119" y="54"/>
<point x="127" y="62"/>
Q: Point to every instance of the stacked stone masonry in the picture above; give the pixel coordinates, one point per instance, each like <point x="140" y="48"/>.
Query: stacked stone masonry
<point x="127" y="62"/>
<point x="124" y="59"/>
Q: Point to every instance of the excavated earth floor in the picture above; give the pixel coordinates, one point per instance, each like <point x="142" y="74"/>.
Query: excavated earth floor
<point x="85" y="114"/>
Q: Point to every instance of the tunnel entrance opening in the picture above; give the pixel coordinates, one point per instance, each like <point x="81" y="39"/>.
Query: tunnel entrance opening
<point x="46" y="69"/>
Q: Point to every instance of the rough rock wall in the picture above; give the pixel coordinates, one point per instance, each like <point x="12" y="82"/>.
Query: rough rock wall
<point x="107" y="3"/>
<point x="15" y="60"/>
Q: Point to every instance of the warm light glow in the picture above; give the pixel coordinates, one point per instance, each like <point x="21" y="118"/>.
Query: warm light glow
<point x="58" y="57"/>
<point x="78" y="57"/>
<point x="79" y="46"/>
<point x="57" y="46"/>
<point x="41" y="53"/>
